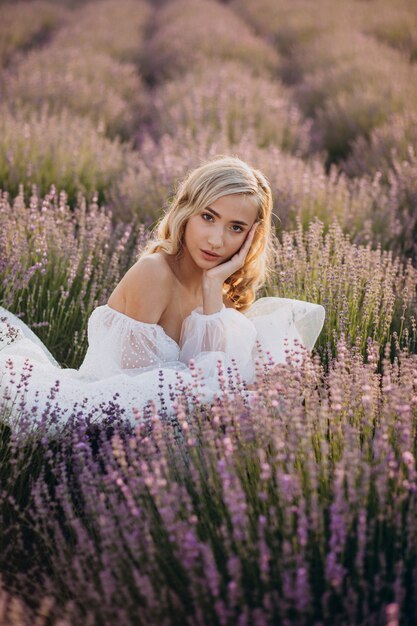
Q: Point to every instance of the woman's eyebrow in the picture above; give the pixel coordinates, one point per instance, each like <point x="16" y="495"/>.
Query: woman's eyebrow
<point x="234" y="221"/>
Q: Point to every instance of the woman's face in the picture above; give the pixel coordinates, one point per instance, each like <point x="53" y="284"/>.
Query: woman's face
<point x="220" y="228"/>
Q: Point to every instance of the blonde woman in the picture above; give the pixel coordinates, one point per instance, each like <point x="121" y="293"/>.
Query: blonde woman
<point x="190" y="295"/>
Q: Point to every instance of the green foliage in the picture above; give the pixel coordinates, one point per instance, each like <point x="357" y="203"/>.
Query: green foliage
<point x="58" y="263"/>
<point x="63" y="150"/>
<point x="366" y="293"/>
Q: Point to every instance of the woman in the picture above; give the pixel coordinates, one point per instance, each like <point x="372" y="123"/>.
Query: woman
<point x="189" y="296"/>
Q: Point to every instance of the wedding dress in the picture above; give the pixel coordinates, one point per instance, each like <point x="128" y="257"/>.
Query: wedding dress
<point x="130" y="363"/>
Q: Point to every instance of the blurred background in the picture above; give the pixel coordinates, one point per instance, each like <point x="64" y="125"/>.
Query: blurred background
<point x="106" y="104"/>
<point x="123" y="96"/>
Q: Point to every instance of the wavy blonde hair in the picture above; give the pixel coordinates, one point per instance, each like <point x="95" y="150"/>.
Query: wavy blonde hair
<point x="221" y="176"/>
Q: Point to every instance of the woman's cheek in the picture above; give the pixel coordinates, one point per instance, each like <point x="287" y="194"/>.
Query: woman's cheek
<point x="240" y="241"/>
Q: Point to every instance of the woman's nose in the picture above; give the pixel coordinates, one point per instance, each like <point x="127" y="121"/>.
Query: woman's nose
<point x="216" y="238"/>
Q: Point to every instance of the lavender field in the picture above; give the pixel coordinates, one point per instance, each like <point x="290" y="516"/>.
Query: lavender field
<point x="298" y="507"/>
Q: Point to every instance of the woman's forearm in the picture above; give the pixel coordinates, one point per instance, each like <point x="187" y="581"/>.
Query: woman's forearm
<point x="212" y="295"/>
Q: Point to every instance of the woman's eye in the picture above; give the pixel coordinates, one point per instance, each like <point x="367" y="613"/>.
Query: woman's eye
<point x="208" y="217"/>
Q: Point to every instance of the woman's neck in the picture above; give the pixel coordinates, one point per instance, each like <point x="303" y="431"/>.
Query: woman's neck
<point x="187" y="272"/>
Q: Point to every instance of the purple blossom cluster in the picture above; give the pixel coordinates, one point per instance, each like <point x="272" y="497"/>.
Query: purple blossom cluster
<point x="227" y="99"/>
<point x="58" y="262"/>
<point x="367" y="293"/>
<point x="67" y="151"/>
<point x="296" y="506"/>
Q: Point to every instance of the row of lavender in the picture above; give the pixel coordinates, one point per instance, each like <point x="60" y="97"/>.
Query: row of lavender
<point x="297" y="508"/>
<point x="67" y="101"/>
<point x="351" y="69"/>
<point x="192" y="79"/>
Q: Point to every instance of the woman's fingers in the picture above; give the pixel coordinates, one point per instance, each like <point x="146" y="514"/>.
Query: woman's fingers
<point x="236" y="262"/>
<point x="248" y="242"/>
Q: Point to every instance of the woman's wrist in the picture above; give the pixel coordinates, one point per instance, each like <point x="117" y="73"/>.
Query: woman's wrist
<point x="212" y="295"/>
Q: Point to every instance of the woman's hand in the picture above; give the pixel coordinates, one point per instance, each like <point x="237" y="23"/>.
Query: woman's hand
<point x="213" y="279"/>
<point x="222" y="271"/>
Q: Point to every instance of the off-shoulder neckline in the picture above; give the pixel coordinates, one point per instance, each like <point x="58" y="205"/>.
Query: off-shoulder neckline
<point x="154" y="325"/>
<point x="131" y="319"/>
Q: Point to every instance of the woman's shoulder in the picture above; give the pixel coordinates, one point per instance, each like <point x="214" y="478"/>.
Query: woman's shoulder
<point x="147" y="288"/>
<point x="152" y="266"/>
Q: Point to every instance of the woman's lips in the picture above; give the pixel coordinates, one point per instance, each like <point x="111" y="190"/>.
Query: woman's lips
<point x="209" y="255"/>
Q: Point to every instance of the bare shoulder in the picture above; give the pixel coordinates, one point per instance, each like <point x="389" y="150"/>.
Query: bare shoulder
<point x="150" y="267"/>
<point x="147" y="289"/>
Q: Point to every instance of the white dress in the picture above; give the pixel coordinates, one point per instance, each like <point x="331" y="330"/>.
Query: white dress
<point x="130" y="363"/>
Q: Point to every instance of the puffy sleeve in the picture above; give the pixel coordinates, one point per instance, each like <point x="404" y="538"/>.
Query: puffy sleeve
<point x="219" y="336"/>
<point x="283" y="324"/>
<point x="118" y="344"/>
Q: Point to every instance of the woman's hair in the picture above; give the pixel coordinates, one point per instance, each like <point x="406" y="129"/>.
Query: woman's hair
<point x="221" y="176"/>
